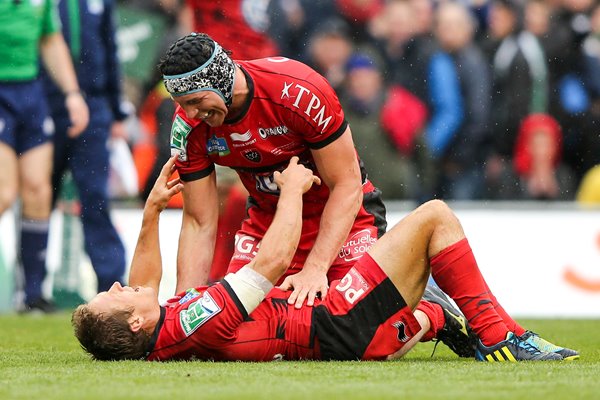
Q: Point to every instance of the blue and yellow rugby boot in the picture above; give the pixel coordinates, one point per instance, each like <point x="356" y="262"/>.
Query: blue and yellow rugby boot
<point x="544" y="345"/>
<point x="513" y="349"/>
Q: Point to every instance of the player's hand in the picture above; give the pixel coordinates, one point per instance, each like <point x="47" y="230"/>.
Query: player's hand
<point x="79" y="114"/>
<point x="296" y="176"/>
<point x="164" y="189"/>
<point x="306" y="285"/>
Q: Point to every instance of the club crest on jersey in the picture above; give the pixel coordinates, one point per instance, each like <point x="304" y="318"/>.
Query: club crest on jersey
<point x="179" y="137"/>
<point x="218" y="146"/>
<point x="308" y="102"/>
<point x="198" y="313"/>
<point x="252" y="155"/>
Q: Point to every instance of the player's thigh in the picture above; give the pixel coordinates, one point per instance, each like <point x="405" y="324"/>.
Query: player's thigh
<point x="402" y="253"/>
<point x="8" y="176"/>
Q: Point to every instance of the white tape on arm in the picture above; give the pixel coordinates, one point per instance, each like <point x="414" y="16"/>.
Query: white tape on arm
<point x="249" y="286"/>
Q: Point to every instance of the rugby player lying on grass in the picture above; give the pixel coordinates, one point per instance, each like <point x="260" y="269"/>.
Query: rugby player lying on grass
<point x="367" y="316"/>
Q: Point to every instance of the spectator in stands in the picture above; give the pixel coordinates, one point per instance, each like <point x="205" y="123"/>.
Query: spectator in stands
<point x="30" y="30"/>
<point x="537" y="161"/>
<point x="364" y="99"/>
<point x="293" y="22"/>
<point x="520" y="87"/>
<point x="89" y="30"/>
<point x="589" y="189"/>
<point x="329" y="49"/>
<point x="236" y="24"/>
<point x="461" y="168"/>
<point x="416" y="63"/>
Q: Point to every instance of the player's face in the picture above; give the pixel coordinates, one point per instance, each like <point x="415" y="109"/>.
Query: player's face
<point x="123" y="297"/>
<point x="205" y="105"/>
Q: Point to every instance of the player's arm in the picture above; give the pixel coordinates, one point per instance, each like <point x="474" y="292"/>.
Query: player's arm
<point x="279" y="244"/>
<point x="198" y="232"/>
<point x="57" y="60"/>
<point x="338" y="166"/>
<point x="146" y="266"/>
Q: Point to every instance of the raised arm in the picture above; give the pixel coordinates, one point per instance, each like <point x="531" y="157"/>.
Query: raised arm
<point x="338" y="166"/>
<point x="198" y="232"/>
<point x="277" y="248"/>
<point x="146" y="266"/>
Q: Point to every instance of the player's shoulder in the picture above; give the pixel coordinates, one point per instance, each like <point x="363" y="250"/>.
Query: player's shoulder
<point x="282" y="69"/>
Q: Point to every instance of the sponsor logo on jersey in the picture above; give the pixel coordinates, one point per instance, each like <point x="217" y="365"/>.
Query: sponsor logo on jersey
<point x="179" y="133"/>
<point x="198" y="313"/>
<point x="275" y="131"/>
<point x="242" y="140"/>
<point x="252" y="155"/>
<point x="189" y="295"/>
<point x="357" y="245"/>
<point x="352" y="286"/>
<point x="218" y="146"/>
<point x="308" y="102"/>
<point x="241" y="137"/>
<point x="402" y="336"/>
<point x="246" y="247"/>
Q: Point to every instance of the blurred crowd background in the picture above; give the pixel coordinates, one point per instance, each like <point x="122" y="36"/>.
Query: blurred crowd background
<point x="460" y="100"/>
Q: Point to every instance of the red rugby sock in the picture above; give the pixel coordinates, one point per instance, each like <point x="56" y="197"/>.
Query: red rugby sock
<point x="436" y="318"/>
<point x="510" y="323"/>
<point x="456" y="273"/>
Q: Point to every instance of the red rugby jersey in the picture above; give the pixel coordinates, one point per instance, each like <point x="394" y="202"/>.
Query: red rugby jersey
<point x="209" y="323"/>
<point x="292" y="109"/>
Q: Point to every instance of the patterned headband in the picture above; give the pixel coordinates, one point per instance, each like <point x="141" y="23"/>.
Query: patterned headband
<point x="217" y="74"/>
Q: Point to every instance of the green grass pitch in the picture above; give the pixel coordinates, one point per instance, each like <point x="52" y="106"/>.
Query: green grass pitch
<point x="40" y="359"/>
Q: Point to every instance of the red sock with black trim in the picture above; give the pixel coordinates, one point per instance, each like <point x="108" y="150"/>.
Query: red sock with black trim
<point x="435" y="313"/>
<point x="511" y="324"/>
<point x="456" y="273"/>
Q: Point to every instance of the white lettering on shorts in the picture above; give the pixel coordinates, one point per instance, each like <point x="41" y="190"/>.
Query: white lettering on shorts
<point x="358" y="244"/>
<point x="352" y="285"/>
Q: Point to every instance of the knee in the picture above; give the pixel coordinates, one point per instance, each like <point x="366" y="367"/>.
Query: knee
<point x="437" y="209"/>
<point x="8" y="195"/>
<point x="36" y="194"/>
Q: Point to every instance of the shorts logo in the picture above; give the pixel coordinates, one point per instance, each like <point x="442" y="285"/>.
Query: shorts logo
<point x="358" y="244"/>
<point x="2" y="125"/>
<point x="218" y="146"/>
<point x="402" y="336"/>
<point x="48" y="126"/>
<point x="252" y="155"/>
<point x="198" y="313"/>
<point x="352" y="285"/>
<point x="179" y="133"/>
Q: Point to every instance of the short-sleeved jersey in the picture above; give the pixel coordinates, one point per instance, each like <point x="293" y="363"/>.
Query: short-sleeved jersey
<point x="363" y="317"/>
<point x="22" y="24"/>
<point x="291" y="110"/>
<point x="210" y="323"/>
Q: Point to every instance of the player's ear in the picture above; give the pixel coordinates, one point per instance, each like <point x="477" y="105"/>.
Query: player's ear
<point x="135" y="323"/>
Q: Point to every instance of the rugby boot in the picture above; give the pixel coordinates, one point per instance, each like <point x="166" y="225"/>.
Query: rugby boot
<point x="544" y="345"/>
<point x="456" y="333"/>
<point x="513" y="349"/>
